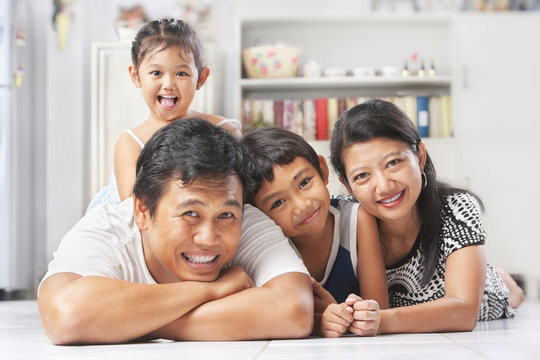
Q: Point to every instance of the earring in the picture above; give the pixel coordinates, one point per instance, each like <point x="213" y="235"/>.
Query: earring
<point x="424" y="180"/>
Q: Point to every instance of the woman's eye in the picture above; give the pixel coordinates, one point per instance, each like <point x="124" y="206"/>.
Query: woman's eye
<point x="393" y="162"/>
<point x="277" y="203"/>
<point x="361" y="176"/>
<point x="305" y="182"/>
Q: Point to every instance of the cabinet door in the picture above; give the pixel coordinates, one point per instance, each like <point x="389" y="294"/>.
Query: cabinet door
<point x="497" y="64"/>
<point x="116" y="105"/>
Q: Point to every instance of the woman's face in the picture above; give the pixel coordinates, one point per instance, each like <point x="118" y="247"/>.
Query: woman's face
<point x="385" y="176"/>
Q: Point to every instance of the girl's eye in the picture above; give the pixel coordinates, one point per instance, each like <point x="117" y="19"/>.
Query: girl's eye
<point x="277" y="204"/>
<point x="305" y="182"/>
<point x="182" y="74"/>
<point x="156" y="73"/>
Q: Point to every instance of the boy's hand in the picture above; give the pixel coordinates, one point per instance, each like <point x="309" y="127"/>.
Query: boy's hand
<point x="366" y="316"/>
<point x="232" y="280"/>
<point x="321" y="297"/>
<point x="336" y="319"/>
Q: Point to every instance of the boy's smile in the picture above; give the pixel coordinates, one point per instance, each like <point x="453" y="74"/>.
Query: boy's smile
<point x="297" y="200"/>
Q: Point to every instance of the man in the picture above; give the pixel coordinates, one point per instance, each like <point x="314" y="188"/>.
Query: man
<point x="154" y="266"/>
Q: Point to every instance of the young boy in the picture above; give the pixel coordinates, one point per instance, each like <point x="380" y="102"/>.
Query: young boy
<point x="153" y="266"/>
<point x="337" y="240"/>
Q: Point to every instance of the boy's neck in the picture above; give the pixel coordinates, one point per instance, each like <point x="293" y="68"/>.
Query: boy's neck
<point x="315" y="248"/>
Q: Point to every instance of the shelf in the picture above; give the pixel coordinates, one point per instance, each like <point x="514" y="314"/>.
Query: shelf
<point x="345" y="82"/>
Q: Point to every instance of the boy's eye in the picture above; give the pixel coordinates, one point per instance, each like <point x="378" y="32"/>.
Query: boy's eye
<point x="305" y="182"/>
<point x="277" y="203"/>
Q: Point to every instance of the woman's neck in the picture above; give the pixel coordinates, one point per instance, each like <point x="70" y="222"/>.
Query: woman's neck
<point x="398" y="237"/>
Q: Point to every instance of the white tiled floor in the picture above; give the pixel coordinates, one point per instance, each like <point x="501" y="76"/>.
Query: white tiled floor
<point x="22" y="337"/>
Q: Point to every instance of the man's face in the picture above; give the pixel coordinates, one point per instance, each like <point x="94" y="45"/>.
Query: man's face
<point x="195" y="230"/>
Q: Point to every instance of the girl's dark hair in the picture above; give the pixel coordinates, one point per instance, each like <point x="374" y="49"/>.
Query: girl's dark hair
<point x="383" y="119"/>
<point x="162" y="34"/>
<point x="187" y="150"/>
<point x="271" y="146"/>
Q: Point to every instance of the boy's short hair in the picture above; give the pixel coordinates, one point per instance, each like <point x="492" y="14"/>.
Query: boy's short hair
<point x="271" y="146"/>
<point x="188" y="150"/>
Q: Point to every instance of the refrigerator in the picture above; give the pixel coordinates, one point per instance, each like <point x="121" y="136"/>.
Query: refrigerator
<point x="16" y="150"/>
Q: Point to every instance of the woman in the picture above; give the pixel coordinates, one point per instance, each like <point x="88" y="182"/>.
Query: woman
<point x="431" y="233"/>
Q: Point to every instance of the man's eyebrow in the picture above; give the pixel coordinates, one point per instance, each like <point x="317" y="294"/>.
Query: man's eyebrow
<point x="196" y="202"/>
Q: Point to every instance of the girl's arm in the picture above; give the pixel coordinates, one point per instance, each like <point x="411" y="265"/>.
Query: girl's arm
<point x="371" y="271"/>
<point x="126" y="152"/>
<point x="457" y="311"/>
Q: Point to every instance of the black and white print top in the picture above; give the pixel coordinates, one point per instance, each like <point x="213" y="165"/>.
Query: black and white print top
<point x="461" y="226"/>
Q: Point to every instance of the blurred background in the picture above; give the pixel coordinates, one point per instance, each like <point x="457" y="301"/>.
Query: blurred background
<point x="65" y="95"/>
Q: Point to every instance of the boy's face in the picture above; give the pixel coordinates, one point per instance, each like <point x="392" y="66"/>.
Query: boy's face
<point x="297" y="200"/>
<point x="195" y="230"/>
<point x="168" y="81"/>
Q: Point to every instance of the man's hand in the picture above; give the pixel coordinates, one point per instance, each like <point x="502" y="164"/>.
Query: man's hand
<point x="366" y="316"/>
<point x="321" y="297"/>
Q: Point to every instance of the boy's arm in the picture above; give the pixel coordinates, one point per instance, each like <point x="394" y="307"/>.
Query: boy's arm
<point x="371" y="270"/>
<point x="281" y="308"/>
<point x="126" y="152"/>
<point x="93" y="309"/>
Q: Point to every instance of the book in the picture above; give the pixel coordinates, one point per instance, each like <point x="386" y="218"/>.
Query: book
<point x="268" y="112"/>
<point x="288" y="115"/>
<point x="445" y="113"/>
<point x="321" y="119"/>
<point x="422" y="116"/>
<point x="310" y="132"/>
<point x="332" y="108"/>
<point x="433" y="107"/>
<point x="278" y="113"/>
<point x="409" y="107"/>
<point x="298" y="117"/>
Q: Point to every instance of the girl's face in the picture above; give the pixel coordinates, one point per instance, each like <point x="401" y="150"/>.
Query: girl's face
<point x="385" y="176"/>
<point x="168" y="81"/>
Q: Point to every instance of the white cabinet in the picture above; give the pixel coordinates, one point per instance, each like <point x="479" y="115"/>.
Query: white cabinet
<point x="497" y="67"/>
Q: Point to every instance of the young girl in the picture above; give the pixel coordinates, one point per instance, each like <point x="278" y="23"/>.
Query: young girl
<point x="337" y="240"/>
<point x="168" y="68"/>
<point x="431" y="233"/>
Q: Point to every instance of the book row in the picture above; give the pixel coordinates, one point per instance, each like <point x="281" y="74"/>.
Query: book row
<point x="314" y="119"/>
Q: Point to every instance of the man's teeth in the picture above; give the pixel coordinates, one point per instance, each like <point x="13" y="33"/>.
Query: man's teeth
<point x="199" y="259"/>
<point x="391" y="199"/>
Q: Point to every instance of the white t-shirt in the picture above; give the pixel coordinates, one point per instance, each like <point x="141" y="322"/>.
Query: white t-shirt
<point x="107" y="242"/>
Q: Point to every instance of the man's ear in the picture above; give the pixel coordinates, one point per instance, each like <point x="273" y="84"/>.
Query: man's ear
<point x="422" y="155"/>
<point x="141" y="214"/>
<point x="347" y="186"/>
<point x="203" y="76"/>
<point x="324" y="168"/>
<point x="134" y="75"/>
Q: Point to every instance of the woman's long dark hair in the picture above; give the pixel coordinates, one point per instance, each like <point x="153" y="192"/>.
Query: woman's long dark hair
<point x="383" y="119"/>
